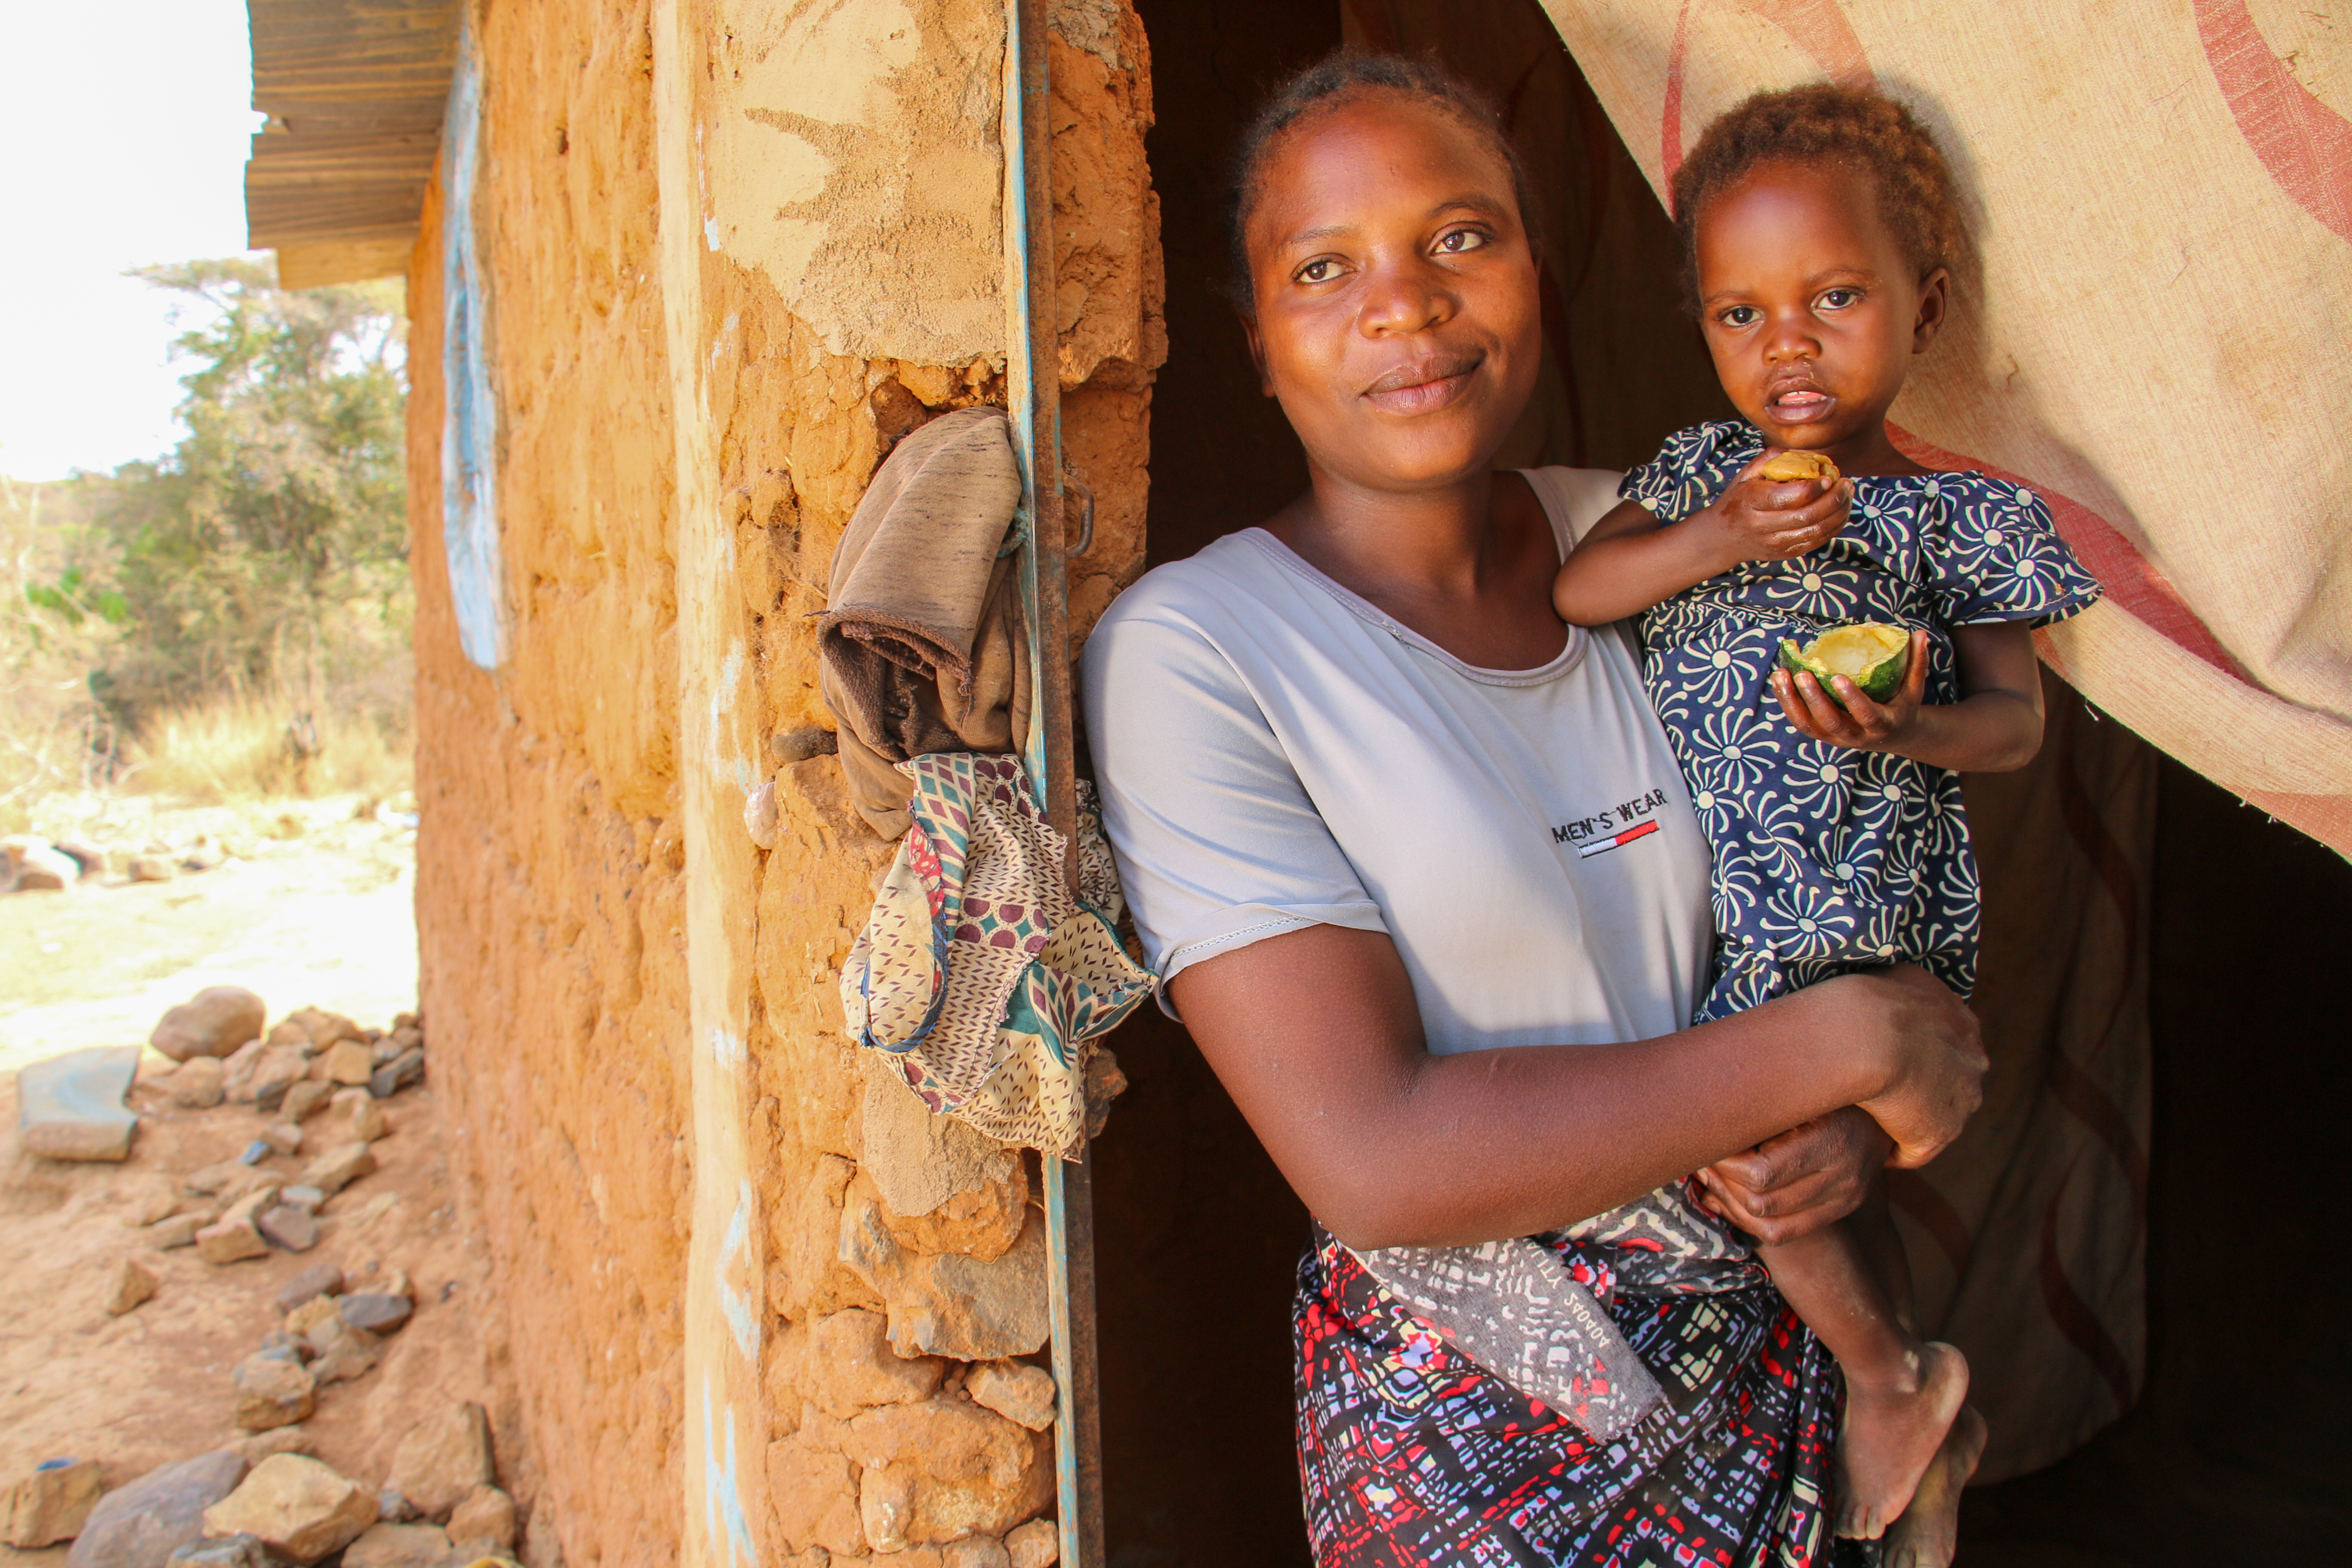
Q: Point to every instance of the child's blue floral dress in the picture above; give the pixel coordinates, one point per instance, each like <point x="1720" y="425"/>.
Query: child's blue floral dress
<point x="1829" y="859"/>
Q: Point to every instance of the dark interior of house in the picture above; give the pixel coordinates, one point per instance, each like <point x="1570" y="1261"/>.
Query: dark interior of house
<point x="2232" y="1452"/>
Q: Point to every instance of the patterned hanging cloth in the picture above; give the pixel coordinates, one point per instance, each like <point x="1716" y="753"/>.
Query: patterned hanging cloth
<point x="978" y="971"/>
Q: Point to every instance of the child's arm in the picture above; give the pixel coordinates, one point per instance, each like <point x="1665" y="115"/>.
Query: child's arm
<point x="1630" y="562"/>
<point x="1994" y="728"/>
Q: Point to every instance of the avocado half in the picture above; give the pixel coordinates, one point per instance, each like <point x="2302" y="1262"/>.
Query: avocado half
<point x="1869" y="653"/>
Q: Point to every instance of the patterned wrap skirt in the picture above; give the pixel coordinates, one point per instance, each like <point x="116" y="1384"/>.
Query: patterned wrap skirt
<point x="1412" y="1456"/>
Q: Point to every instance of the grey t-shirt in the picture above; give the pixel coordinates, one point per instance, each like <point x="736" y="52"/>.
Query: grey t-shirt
<point x="1274" y="752"/>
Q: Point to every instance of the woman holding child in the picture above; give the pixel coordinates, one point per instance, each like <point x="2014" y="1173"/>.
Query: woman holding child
<point x="1491" y="958"/>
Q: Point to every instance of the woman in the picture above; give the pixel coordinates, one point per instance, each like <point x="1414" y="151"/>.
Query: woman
<point x="1420" y="878"/>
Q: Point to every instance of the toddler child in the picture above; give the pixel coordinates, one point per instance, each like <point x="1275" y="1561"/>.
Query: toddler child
<point x="1818" y="226"/>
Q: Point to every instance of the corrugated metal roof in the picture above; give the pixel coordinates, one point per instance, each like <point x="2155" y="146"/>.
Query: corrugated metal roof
<point x="354" y="90"/>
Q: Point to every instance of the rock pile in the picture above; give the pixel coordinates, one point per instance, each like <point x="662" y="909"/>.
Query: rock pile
<point x="267" y="1501"/>
<point x="32" y="865"/>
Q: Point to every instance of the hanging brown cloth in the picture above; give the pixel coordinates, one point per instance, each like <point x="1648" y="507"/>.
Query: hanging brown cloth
<point x="922" y="647"/>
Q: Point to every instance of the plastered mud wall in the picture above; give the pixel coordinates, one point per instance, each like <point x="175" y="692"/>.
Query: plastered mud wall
<point x="549" y="867"/>
<point x="731" y="254"/>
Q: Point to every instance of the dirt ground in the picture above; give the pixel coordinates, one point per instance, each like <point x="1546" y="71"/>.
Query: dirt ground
<point x="317" y="911"/>
<point x="313" y="902"/>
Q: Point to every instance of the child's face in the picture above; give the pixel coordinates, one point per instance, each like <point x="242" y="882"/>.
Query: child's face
<point x="1808" y="306"/>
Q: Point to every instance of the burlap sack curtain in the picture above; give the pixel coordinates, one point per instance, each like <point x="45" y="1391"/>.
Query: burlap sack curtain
<point x="2154" y="334"/>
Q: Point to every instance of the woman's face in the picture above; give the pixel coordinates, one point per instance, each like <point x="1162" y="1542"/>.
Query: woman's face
<point x="1397" y="316"/>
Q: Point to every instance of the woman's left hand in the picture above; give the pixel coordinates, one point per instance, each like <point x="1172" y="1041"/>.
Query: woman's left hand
<point x="1807" y="1177"/>
<point x="1860" y="724"/>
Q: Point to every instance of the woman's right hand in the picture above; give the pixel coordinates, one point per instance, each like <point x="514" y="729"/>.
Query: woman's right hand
<point x="1930" y="1049"/>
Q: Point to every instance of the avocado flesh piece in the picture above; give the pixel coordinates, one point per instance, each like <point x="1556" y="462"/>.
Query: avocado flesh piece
<point x="1869" y="653"/>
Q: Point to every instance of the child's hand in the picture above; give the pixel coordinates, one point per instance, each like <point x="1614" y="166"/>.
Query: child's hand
<point x="1864" y="725"/>
<point x="1759" y="520"/>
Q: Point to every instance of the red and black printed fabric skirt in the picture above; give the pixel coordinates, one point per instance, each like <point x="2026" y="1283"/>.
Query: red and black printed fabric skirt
<point x="1411" y="1455"/>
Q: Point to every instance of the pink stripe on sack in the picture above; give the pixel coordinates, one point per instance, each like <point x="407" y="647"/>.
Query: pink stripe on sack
<point x="2134" y="582"/>
<point x="2306" y="145"/>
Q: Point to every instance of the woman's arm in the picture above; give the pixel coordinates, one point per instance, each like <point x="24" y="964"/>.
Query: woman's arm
<point x="1994" y="728"/>
<point x="1316" y="1035"/>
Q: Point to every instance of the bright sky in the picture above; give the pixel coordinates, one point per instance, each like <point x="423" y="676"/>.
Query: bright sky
<point x="124" y="131"/>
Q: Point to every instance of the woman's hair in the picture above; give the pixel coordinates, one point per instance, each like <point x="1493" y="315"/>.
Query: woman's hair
<point x="1858" y="127"/>
<point x="1338" y="77"/>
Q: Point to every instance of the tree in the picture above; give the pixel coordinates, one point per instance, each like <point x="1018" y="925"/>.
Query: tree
<point x="249" y="557"/>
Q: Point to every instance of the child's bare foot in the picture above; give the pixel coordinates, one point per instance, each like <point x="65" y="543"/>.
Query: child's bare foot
<point x="1891" y="1435"/>
<point x="1929" y="1530"/>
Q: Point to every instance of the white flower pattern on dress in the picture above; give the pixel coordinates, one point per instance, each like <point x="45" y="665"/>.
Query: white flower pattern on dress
<point x="1828" y="860"/>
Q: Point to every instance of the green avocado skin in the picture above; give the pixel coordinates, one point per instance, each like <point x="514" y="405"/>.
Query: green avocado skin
<point x="1878" y="685"/>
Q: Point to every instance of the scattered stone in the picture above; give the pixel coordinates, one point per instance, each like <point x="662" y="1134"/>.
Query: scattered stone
<point x="851" y="1366"/>
<point x="304" y="1099"/>
<point x="49" y="1505"/>
<point x="319" y="1028"/>
<point x="344" y="1353"/>
<point x="238" y="1075"/>
<point x="70" y="1107"/>
<point x="283" y="1224"/>
<point x="256" y="1151"/>
<point x="1015" y="1391"/>
<point x="319" y="1279"/>
<point x="212" y="1023"/>
<point x="485" y="1521"/>
<point x="143" y="1522"/>
<point x="365" y="1119"/>
<point x="215" y="1180"/>
<point x="89" y="860"/>
<point x="376" y="1312"/>
<point x="391" y="1505"/>
<point x="239" y="1551"/>
<point x="274" y="1392"/>
<point x="234" y="1235"/>
<point x="148" y="1201"/>
<point x="150" y="869"/>
<point x="396" y="1282"/>
<point x="339" y="1167"/>
<point x="31" y="865"/>
<point x="275" y="1072"/>
<point x="132" y="1284"/>
<point x="307" y="1199"/>
<point x="178" y="1231"/>
<point x="398" y="1546"/>
<point x="443" y="1459"/>
<point x="406" y="1069"/>
<point x="1036" y="1544"/>
<point x="196" y="1084"/>
<point x="950" y="1304"/>
<point x="283" y="1138"/>
<point x="311" y="1315"/>
<point x="204" y="855"/>
<point x="296" y="1507"/>
<point x="975" y="1551"/>
<point x="276" y="1440"/>
<point x="347" y="1062"/>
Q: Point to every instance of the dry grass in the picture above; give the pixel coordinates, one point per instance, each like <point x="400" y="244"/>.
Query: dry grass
<point x="251" y="747"/>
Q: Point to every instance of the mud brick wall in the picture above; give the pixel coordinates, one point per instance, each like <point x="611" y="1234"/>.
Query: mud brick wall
<point x="728" y="253"/>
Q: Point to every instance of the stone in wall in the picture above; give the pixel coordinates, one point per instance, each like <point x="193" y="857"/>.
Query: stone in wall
<point x="950" y="1303"/>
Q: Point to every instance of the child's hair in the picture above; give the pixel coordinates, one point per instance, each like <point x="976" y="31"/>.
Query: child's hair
<point x="1338" y="77"/>
<point x="1825" y="123"/>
